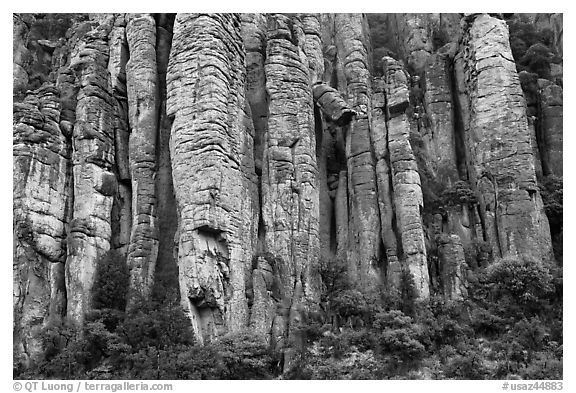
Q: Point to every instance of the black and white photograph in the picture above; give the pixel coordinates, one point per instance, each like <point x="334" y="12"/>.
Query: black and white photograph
<point x="287" y="196"/>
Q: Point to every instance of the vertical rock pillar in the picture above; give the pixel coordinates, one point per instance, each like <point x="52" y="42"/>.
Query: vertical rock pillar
<point x="408" y="199"/>
<point x="290" y="200"/>
<point x="94" y="183"/>
<point x="206" y="82"/>
<point x="501" y="160"/>
<point x="143" y="106"/>
<point x="379" y="134"/>
<point x="41" y="189"/>
<point x="352" y="42"/>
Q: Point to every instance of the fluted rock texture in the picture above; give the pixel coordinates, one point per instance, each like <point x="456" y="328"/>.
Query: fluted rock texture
<point x="408" y="198"/>
<point x="233" y="161"/>
<point x="498" y="140"/>
<point x="94" y="183"/>
<point x="350" y="35"/>
<point x="551" y="109"/>
<point x="143" y="105"/>
<point x="41" y="208"/>
<point x="206" y="82"/>
<point x="290" y="199"/>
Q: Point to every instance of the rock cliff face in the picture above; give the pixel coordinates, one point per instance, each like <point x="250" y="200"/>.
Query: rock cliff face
<point x="242" y="155"/>
<point x="211" y="150"/>
<point x="501" y="161"/>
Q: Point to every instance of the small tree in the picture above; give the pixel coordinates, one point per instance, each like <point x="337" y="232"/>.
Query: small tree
<point x="244" y="356"/>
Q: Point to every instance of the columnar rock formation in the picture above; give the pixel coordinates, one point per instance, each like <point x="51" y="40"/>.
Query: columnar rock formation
<point x="551" y="109"/>
<point x="418" y="35"/>
<point x="41" y="208"/>
<point x="143" y="105"/>
<point x="245" y="156"/>
<point x="290" y="172"/>
<point x="381" y="145"/>
<point x="94" y="183"/>
<point x="408" y="198"/>
<point x="206" y="81"/>
<point x="439" y="137"/>
<point x="501" y="162"/>
<point x="350" y="36"/>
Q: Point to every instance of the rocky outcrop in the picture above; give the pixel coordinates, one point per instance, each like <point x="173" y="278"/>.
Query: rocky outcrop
<point x="94" y="183"/>
<point x="379" y="135"/>
<point x="550" y="127"/>
<point x="453" y="267"/>
<point x="501" y="163"/>
<point x="41" y="211"/>
<point x="408" y="199"/>
<point x="20" y="53"/>
<point x="332" y="105"/>
<point x="143" y="106"/>
<point x="419" y="35"/>
<point x="232" y="161"/>
<point x="121" y="215"/>
<point x="350" y="37"/>
<point x="167" y="215"/>
<point x="253" y="30"/>
<point x="313" y="46"/>
<point x="205" y="83"/>
<point x="289" y="177"/>
<point x="438" y="132"/>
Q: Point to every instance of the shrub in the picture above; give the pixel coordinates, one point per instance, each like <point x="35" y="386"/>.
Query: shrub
<point x="408" y="293"/>
<point x="459" y="193"/>
<point x="487" y="323"/>
<point x="398" y="336"/>
<point x="551" y="190"/>
<point x="537" y="60"/>
<point x="531" y="333"/>
<point x="177" y="362"/>
<point x="111" y="282"/>
<point x="244" y="356"/>
<point x="153" y="325"/>
<point x="362" y="340"/>
<point x="353" y="365"/>
<point x="523" y="35"/>
<point x="522" y="281"/>
<point x="401" y="343"/>
<point x="349" y="303"/>
<point x="531" y="48"/>
<point x="466" y="366"/>
<point x="544" y="367"/>
<point x="334" y="276"/>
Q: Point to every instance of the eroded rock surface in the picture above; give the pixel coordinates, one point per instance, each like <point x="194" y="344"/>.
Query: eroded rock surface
<point x="239" y="158"/>
<point x="408" y="199"/>
<point x="350" y="37"/>
<point x="41" y="211"/>
<point x="94" y="183"/>
<point x="290" y="197"/>
<point x="498" y="140"/>
<point x="551" y="112"/>
<point x="439" y="134"/>
<point x="143" y="107"/>
<point x="206" y="82"/>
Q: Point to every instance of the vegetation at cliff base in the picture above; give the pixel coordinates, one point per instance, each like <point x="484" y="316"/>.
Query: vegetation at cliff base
<point x="510" y="326"/>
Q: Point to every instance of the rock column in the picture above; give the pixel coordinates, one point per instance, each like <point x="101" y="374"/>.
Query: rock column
<point x="501" y="162"/>
<point x="408" y="200"/>
<point x="41" y="191"/>
<point x="206" y="81"/>
<point x="364" y="246"/>
<point x="143" y="106"/>
<point x="94" y="183"/>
